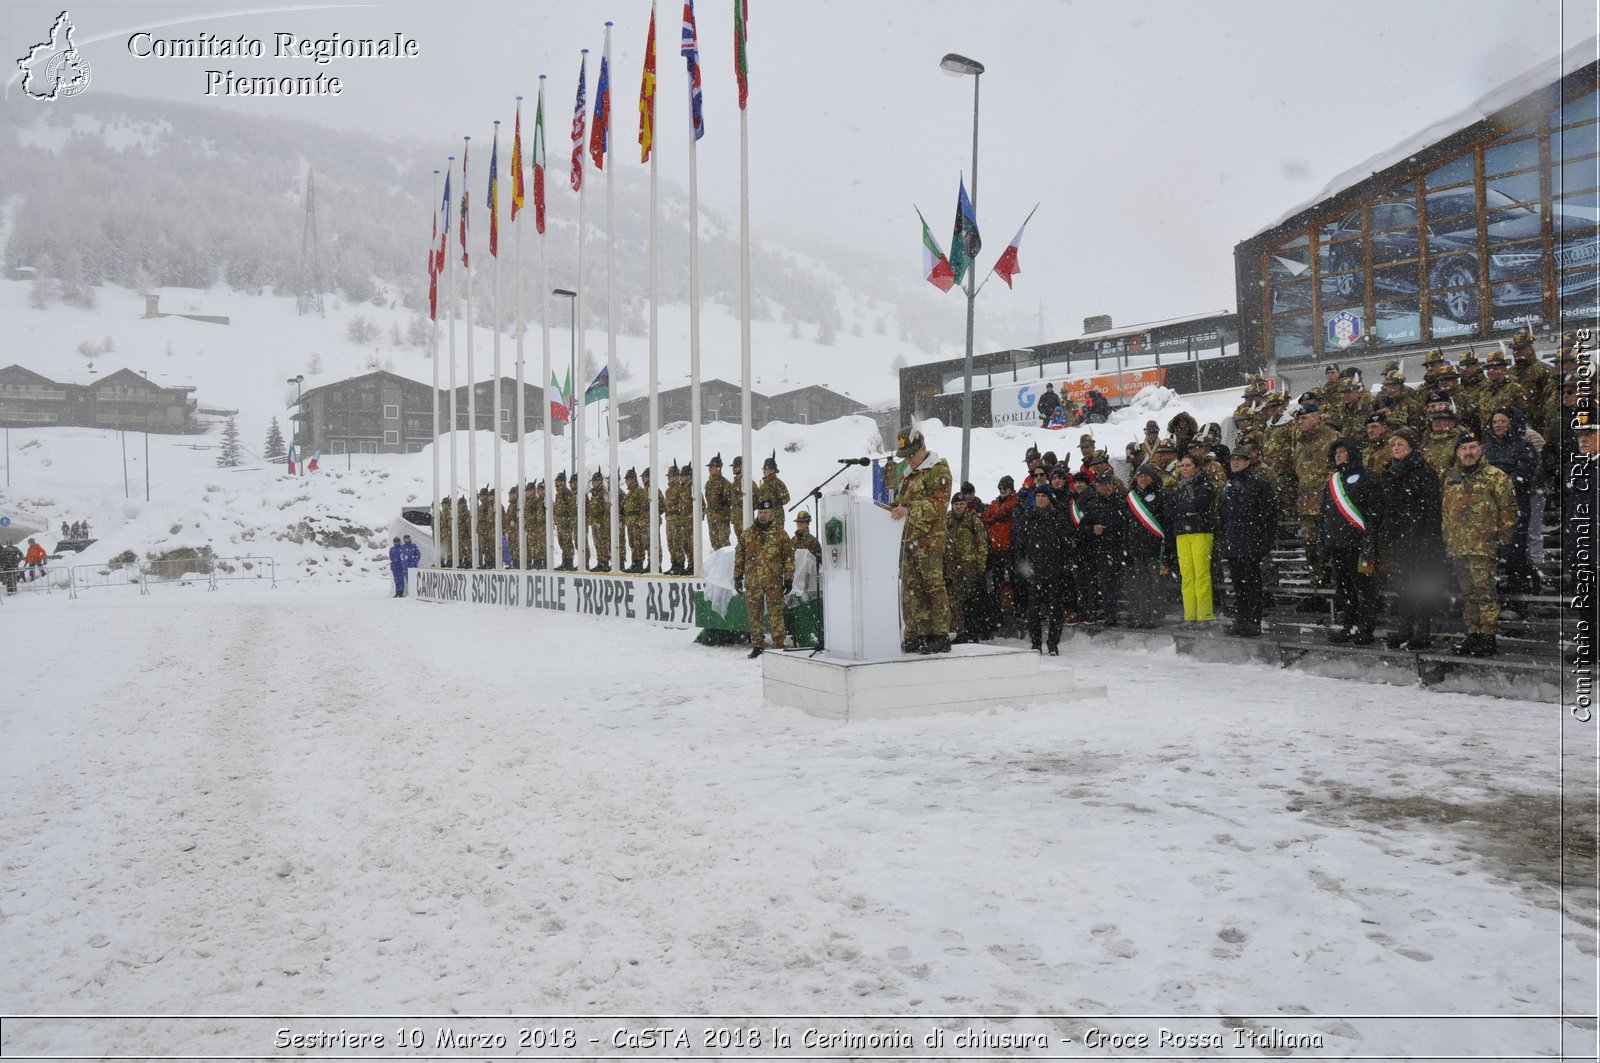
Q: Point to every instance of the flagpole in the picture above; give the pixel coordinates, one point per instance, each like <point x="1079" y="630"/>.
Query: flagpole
<point x="744" y="314"/>
<point x="433" y="344"/>
<point x="544" y="335"/>
<point x="450" y="298"/>
<point x="472" y="379"/>
<point x="522" y="550"/>
<point x="695" y="413"/>
<point x="581" y="487"/>
<point x="655" y="415"/>
<point x="494" y="421"/>
<point x="611" y="310"/>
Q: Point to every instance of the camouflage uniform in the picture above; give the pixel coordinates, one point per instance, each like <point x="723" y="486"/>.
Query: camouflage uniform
<point x="513" y="526"/>
<point x="1439" y="449"/>
<point x="635" y="525"/>
<point x="1376" y="455"/>
<point x="1479" y="517"/>
<point x="774" y="489"/>
<point x="966" y="554"/>
<point x="566" y="514"/>
<point x="804" y="540"/>
<point x="1351" y="412"/>
<point x="597" y="510"/>
<point x="1493" y="395"/>
<point x="736" y="489"/>
<point x="765" y="558"/>
<point x="679" y="512"/>
<point x="1309" y="460"/>
<point x="442" y="547"/>
<point x="717" y="504"/>
<point x="535" y="536"/>
<point x="488" y="556"/>
<point x="1537" y="380"/>
<point x="463" y="527"/>
<point x="924" y="605"/>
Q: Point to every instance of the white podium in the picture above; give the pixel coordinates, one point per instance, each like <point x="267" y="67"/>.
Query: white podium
<point x="861" y="673"/>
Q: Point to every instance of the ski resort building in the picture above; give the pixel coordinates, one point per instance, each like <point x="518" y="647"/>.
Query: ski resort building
<point x="122" y="400"/>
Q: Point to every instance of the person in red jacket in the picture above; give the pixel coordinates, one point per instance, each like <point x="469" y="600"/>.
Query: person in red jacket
<point x="997" y="519"/>
<point x="35" y="559"/>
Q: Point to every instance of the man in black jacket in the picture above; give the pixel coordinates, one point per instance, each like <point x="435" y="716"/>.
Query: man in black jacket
<point x="1247" y="518"/>
<point x="1149" y="545"/>
<point x="1041" y="554"/>
<point x="1049" y="403"/>
<point x="1346" y="525"/>
<point x="1108" y="538"/>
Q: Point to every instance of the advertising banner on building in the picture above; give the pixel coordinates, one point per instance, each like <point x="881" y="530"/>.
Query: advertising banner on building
<point x="668" y="602"/>
<point x="1019" y="403"/>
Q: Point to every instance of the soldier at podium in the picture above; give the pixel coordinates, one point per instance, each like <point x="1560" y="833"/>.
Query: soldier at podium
<point x="922" y="503"/>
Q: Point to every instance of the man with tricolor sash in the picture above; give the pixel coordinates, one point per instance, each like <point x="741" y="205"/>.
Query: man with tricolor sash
<point x="1149" y="546"/>
<point x="1348" y="518"/>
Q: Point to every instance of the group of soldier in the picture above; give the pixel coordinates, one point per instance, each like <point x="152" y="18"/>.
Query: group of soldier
<point x="524" y="533"/>
<point x="1402" y="490"/>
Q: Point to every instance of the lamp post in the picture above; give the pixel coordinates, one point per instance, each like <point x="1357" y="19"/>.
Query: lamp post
<point x="572" y="303"/>
<point x="296" y="380"/>
<point x="146" y="375"/>
<point x="960" y="66"/>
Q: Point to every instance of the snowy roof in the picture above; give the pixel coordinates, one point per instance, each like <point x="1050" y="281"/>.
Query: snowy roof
<point x="1147" y="325"/>
<point x="1525" y="84"/>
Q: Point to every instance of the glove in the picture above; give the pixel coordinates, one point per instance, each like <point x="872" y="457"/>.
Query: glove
<point x="738" y="584"/>
<point x="788" y="585"/>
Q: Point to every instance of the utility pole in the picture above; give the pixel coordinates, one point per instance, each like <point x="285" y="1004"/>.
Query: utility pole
<point x="309" y="288"/>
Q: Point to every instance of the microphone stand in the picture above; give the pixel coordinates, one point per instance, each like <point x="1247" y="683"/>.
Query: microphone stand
<point x="816" y="492"/>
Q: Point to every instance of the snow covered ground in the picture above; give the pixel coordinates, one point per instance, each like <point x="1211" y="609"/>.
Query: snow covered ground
<point x="317" y="800"/>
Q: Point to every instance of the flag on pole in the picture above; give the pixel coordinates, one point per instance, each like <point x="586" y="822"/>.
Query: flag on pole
<point x="741" y="54"/>
<point x="538" y="162"/>
<point x="433" y="268"/>
<point x="691" y="54"/>
<point x="561" y="399"/>
<point x="466" y="199"/>
<point x="647" y="92"/>
<point x="1007" y="265"/>
<point x="493" y="199"/>
<point x="965" y="243"/>
<point x="600" y="389"/>
<point x="291" y="459"/>
<point x="517" y="191"/>
<point x="311" y="466"/>
<point x="602" y="111"/>
<point x="580" y="116"/>
<point x="935" y="267"/>
<point x="444" y="237"/>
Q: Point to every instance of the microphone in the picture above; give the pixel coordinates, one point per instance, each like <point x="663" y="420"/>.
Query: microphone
<point x="855" y="461"/>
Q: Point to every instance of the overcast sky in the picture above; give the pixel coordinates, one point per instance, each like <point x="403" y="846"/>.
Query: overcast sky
<point x="1154" y="136"/>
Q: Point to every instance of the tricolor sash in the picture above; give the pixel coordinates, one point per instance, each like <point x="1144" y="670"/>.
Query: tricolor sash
<point x="1075" y="512"/>
<point x="1142" y="514"/>
<point x="1345" y="504"/>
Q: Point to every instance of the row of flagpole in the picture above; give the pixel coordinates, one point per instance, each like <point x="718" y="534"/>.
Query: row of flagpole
<point x="570" y="409"/>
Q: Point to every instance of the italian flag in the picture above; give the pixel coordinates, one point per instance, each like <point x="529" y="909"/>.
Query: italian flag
<point x="1345" y="504"/>
<point x="561" y="399"/>
<point x="1006" y="265"/>
<point x="935" y="266"/>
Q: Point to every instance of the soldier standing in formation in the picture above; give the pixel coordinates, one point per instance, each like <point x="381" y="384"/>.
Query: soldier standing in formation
<point x="635" y="503"/>
<point x="442" y="547"/>
<point x="486" y="543"/>
<point x="763" y="570"/>
<point x="1308" y="465"/>
<point x="598" y="510"/>
<point x="966" y="554"/>
<point x="1439" y="445"/>
<point x="513" y="525"/>
<point x="533" y="524"/>
<point x="771" y="487"/>
<point x="463" y="528"/>
<point x="1534" y="377"/>
<point x="921" y="504"/>
<point x="680" y="519"/>
<point x="1500" y="390"/>
<point x="737" y="491"/>
<point x="566" y="514"/>
<point x="1375" y="455"/>
<point x="1479" y="517"/>
<point x="717" y="504"/>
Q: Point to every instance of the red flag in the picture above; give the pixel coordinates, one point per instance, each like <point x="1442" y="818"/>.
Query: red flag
<point x="538" y="160"/>
<point x="1007" y="266"/>
<point x="741" y="46"/>
<point x="433" y="272"/>
<point x="516" y="167"/>
<point x="647" y="92"/>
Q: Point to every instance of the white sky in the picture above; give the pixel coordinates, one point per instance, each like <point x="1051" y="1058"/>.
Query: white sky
<point x="1154" y="135"/>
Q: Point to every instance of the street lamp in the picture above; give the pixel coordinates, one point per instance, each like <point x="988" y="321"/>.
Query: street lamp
<point x="960" y="66"/>
<point x="146" y="375"/>
<point x="296" y="380"/>
<point x="572" y="303"/>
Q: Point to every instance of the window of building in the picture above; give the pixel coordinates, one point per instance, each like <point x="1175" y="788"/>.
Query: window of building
<point x="391" y="412"/>
<point x="368" y="447"/>
<point x="391" y="439"/>
<point x="413" y="448"/>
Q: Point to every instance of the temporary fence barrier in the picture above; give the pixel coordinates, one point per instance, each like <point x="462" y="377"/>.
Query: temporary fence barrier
<point x="123" y="574"/>
<point x="34" y="578"/>
<point x="247" y="567"/>
<point x="183" y="571"/>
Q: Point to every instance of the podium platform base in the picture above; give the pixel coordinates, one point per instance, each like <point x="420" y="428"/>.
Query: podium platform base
<point x="968" y="678"/>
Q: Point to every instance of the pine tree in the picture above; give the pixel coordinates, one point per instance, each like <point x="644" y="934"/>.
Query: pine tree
<point x="273" y="449"/>
<point x="230" y="456"/>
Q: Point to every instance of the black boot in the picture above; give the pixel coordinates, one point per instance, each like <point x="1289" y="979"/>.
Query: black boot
<point x="1339" y="635"/>
<point x="911" y="644"/>
<point x="935" y="644"/>
<point x="1398" y="637"/>
<point x="1361" y="637"/>
<point x="1468" y="646"/>
<point x="1419" y="637"/>
<point x="1486" y="646"/>
<point x="755" y="651"/>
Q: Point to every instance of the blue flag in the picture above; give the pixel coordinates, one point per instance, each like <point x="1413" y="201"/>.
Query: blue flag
<point x="965" y="243"/>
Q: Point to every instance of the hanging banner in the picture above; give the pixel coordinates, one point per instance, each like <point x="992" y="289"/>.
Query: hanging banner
<point x="1019" y="403"/>
<point x="667" y="602"/>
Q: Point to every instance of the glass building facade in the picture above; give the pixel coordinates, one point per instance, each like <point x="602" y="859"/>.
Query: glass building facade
<point x="1480" y="235"/>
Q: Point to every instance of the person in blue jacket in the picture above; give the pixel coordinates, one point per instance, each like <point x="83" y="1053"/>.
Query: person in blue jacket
<point x="411" y="553"/>
<point x="397" y="567"/>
